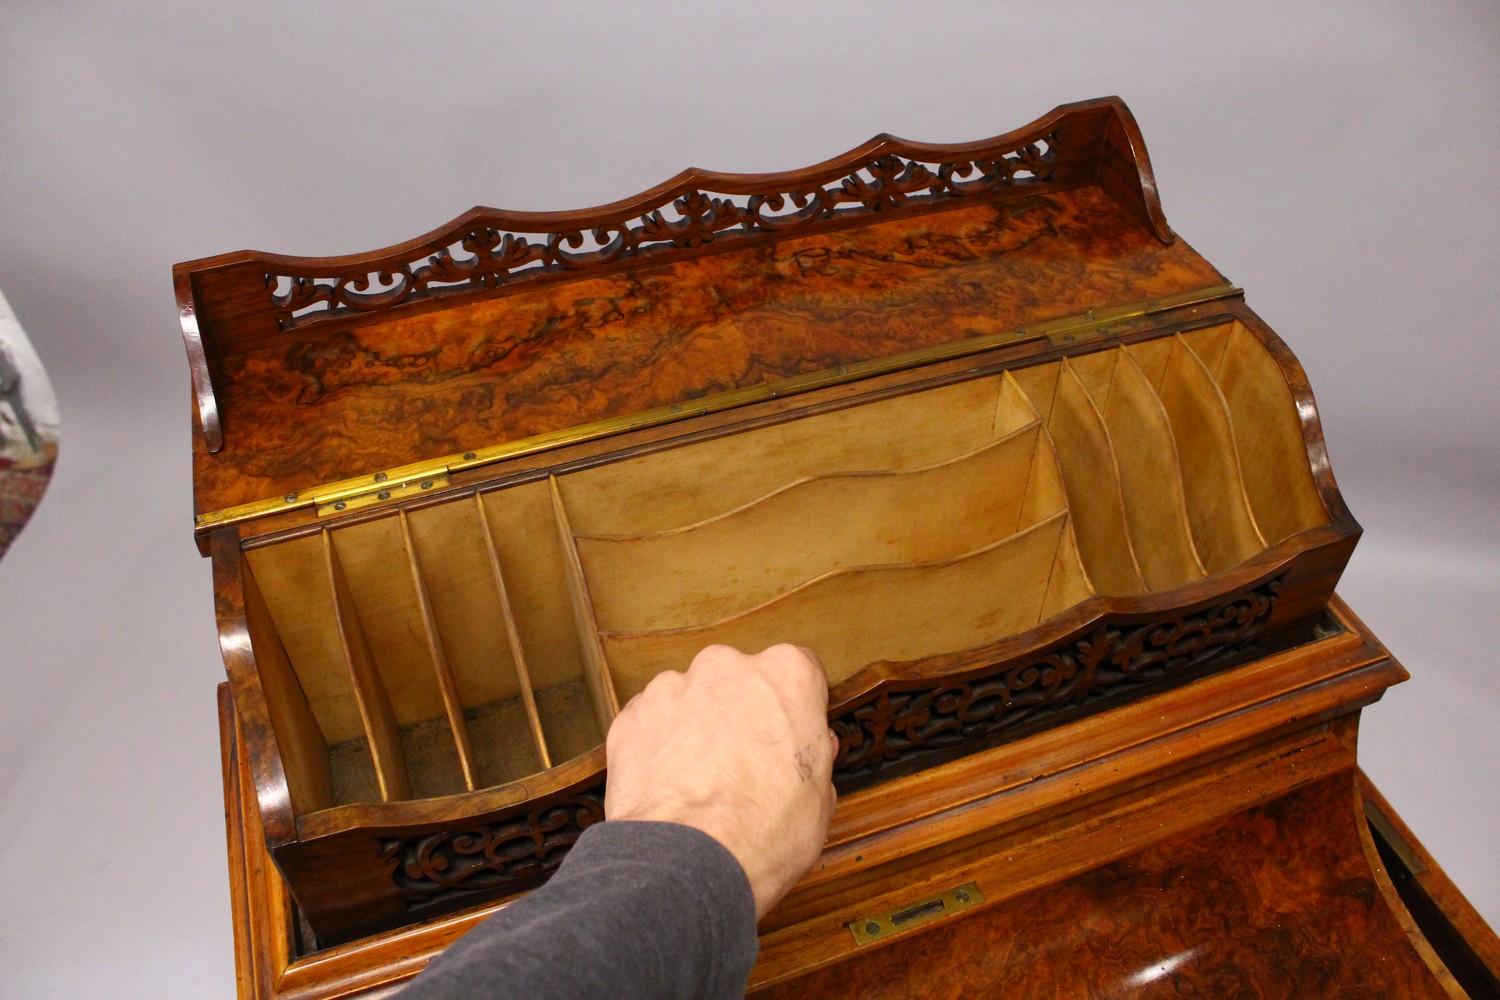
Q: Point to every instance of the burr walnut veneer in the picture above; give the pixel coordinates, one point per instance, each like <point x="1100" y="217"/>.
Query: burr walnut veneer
<point x="1049" y="500"/>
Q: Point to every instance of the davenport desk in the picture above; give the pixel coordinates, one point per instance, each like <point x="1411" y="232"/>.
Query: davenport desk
<point x="1050" y="501"/>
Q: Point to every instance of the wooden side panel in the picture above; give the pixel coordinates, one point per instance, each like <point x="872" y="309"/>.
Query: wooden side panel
<point x="304" y="751"/>
<point x="1092" y="477"/>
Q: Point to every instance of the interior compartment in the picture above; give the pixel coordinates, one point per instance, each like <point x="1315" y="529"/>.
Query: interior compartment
<point x="1145" y="457"/>
<point x="1223" y="528"/>
<point x="474" y="641"/>
<point x="1268" y="434"/>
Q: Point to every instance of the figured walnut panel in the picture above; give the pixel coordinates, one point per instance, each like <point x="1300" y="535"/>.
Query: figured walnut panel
<point x="349" y="400"/>
<point x="1276" y="901"/>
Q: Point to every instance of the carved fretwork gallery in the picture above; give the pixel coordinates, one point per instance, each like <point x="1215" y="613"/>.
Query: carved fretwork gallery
<point x="499" y="247"/>
<point x="1049" y="500"/>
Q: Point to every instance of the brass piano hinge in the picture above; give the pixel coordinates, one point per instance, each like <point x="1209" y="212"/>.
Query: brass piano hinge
<point x="1100" y="324"/>
<point x="380" y="487"/>
<point x="912" y="915"/>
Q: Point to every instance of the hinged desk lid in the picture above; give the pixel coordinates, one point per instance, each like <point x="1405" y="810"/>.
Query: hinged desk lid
<point x="317" y="379"/>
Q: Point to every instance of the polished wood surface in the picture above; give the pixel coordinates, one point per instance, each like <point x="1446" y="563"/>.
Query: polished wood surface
<point x="353" y="401"/>
<point x="233" y="301"/>
<point x="1053" y="524"/>
<point x="1275" y="901"/>
<point x="1070" y="566"/>
<point x="1128" y="824"/>
<point x="385" y="381"/>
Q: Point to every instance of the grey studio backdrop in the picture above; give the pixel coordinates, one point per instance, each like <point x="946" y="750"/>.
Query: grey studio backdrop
<point x="1339" y="161"/>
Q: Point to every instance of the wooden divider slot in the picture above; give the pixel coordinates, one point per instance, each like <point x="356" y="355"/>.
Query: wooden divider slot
<point x="1268" y="433"/>
<point x="513" y="637"/>
<point x="394" y="593"/>
<point x="446" y="542"/>
<point x="1224" y="530"/>
<point x="369" y="689"/>
<point x="1091" y="474"/>
<point x="1145" y="451"/>
<point x="292" y="579"/>
<point x="602" y="692"/>
<point x="452" y="703"/>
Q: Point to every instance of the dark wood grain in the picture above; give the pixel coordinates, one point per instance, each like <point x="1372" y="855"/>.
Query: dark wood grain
<point x="345" y="400"/>
<point x="231" y="300"/>
<point x="1274" y="902"/>
<point x="1080" y="742"/>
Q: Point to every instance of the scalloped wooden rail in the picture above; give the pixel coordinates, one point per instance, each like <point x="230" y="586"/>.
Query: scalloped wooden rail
<point x="231" y="300"/>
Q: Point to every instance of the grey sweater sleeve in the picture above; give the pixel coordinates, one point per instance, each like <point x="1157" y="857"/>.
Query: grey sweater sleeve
<point x="637" y="910"/>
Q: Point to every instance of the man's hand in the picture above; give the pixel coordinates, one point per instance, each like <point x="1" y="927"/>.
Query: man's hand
<point x="738" y="747"/>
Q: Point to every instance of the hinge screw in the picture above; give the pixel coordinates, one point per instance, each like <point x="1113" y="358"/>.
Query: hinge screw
<point x="384" y="495"/>
<point x="380" y="477"/>
<point x="469" y="456"/>
<point x="290" y="498"/>
<point x="340" y="505"/>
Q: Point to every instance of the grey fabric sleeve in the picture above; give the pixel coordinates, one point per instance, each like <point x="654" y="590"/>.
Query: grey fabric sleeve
<point x="637" y="910"/>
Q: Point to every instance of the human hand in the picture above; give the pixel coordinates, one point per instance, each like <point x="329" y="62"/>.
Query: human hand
<point x="738" y="747"/>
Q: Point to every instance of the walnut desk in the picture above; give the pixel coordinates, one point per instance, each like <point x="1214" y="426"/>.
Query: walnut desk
<point x="1049" y="499"/>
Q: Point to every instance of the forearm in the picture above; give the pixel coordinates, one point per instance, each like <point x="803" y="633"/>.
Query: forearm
<point x="638" y="910"/>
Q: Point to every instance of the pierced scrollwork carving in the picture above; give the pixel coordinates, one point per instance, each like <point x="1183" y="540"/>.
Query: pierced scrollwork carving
<point x="505" y="856"/>
<point x="496" y="250"/>
<point x="894" y="727"/>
